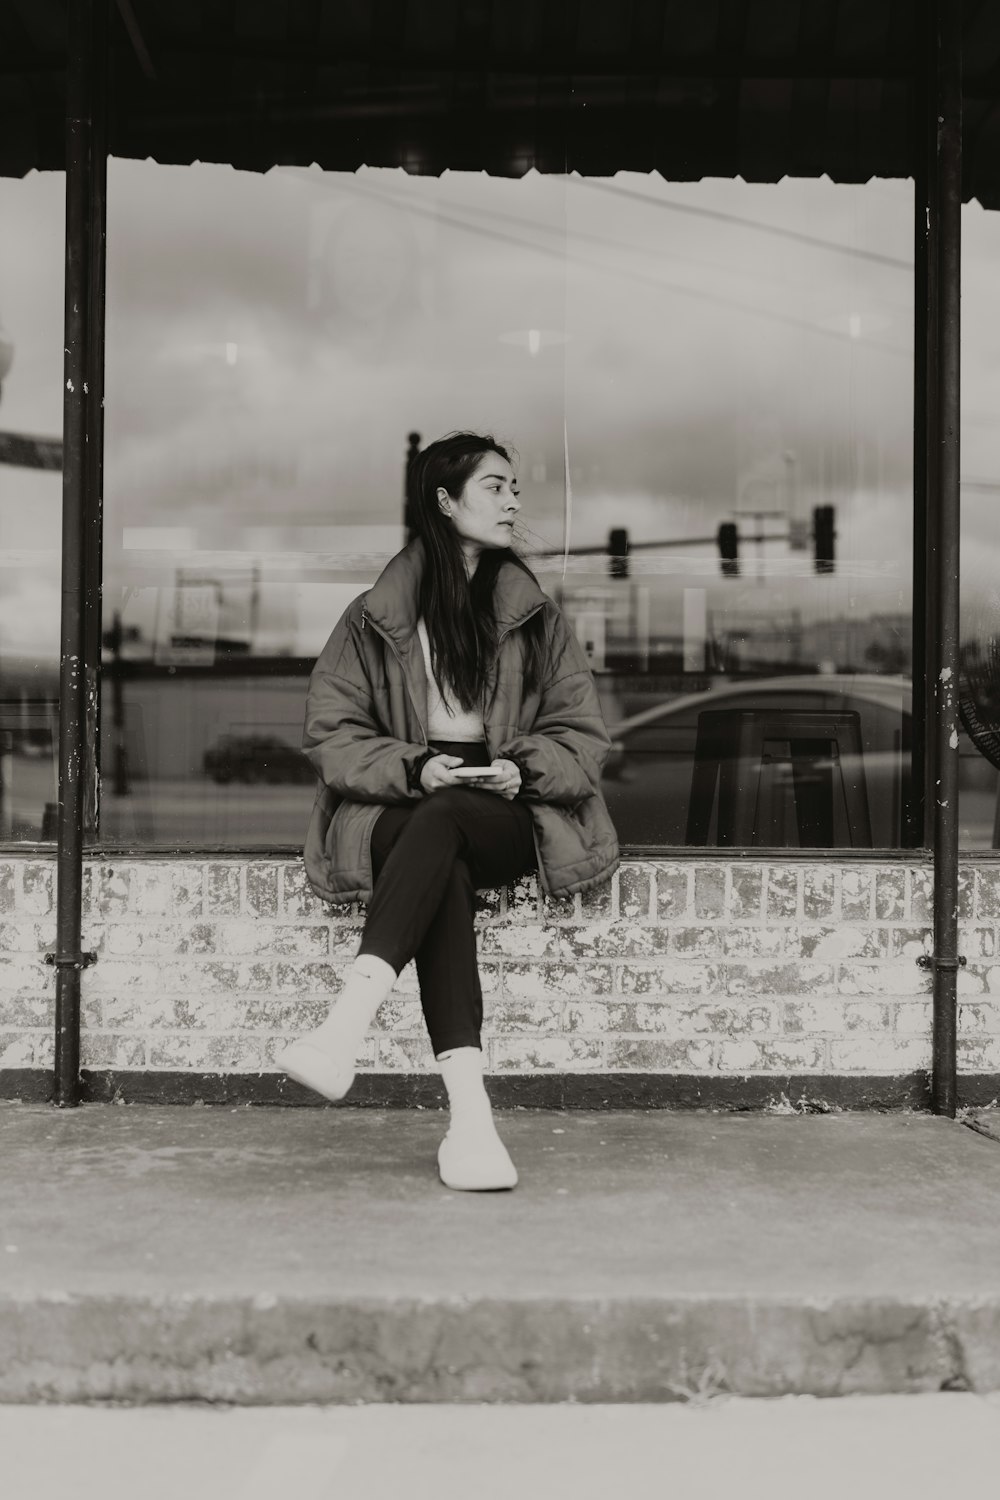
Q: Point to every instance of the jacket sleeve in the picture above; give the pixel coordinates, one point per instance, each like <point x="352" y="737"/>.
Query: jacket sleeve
<point x="561" y="759"/>
<point x="342" y="738"/>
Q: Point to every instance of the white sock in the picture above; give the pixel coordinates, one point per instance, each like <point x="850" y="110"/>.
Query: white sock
<point x="472" y="1157"/>
<point x="369" y="982"/>
<point x="468" y="1101"/>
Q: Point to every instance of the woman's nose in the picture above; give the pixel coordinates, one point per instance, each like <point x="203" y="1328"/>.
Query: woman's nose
<point x="512" y="503"/>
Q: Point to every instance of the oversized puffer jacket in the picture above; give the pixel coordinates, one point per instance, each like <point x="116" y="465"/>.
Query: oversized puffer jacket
<point x="366" y="733"/>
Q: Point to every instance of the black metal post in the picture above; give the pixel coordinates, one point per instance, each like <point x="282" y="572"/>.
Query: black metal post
<point x="85" y="41"/>
<point x="944" y="243"/>
<point x="94" y="516"/>
<point x="917" y="784"/>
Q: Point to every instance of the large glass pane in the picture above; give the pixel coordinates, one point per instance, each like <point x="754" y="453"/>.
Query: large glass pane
<point x="31" y="362"/>
<point x="979" y="754"/>
<point x="667" y="360"/>
<point x="739" y="381"/>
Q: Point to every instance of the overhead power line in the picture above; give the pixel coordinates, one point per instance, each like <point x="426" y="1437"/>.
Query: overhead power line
<point x="429" y="211"/>
<point x="696" y="211"/>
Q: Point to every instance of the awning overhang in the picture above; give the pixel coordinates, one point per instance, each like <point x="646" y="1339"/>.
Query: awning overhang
<point x="756" y="89"/>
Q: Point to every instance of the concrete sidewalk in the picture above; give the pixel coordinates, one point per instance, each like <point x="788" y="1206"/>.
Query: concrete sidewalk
<point x="267" y="1255"/>
<point x="872" y="1447"/>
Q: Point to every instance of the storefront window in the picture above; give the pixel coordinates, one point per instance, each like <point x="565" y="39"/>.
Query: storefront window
<point x="709" y="387"/>
<point x="31" y="356"/>
<point x="979" y="753"/>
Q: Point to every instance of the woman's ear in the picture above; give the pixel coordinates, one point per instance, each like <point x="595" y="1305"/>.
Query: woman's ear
<point x="444" y="500"/>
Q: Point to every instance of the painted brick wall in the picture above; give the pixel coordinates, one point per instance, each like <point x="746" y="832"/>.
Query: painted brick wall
<point x="716" y="968"/>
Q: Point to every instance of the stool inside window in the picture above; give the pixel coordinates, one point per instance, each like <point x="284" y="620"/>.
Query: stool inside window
<point x="767" y="763"/>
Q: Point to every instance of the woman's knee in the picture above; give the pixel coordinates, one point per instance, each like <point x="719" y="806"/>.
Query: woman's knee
<point x="389" y="824"/>
<point x="450" y="804"/>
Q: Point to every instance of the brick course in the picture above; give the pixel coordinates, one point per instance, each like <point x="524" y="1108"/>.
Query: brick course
<point x="717" y="968"/>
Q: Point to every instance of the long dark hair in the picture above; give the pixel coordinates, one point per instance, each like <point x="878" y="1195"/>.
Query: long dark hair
<point x="458" y="610"/>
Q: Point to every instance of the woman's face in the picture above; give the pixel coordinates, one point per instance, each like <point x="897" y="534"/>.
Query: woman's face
<point x="483" y="515"/>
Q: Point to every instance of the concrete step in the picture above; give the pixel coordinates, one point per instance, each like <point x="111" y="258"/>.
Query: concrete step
<point x="282" y="1256"/>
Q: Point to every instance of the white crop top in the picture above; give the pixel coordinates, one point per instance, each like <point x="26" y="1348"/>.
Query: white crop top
<point x="446" y="720"/>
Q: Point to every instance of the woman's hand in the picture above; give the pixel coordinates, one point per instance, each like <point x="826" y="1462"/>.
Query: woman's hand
<point x="437" y="772"/>
<point x="508" y="784"/>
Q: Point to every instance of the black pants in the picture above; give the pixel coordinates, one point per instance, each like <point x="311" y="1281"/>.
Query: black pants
<point x="428" y="859"/>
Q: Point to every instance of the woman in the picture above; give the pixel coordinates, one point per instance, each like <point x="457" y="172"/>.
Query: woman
<point x="455" y="725"/>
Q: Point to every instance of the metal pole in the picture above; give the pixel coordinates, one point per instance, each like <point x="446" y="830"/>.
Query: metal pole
<point x="944" y="69"/>
<point x="78" y="480"/>
<point x="94" y="518"/>
<point x="916" y="780"/>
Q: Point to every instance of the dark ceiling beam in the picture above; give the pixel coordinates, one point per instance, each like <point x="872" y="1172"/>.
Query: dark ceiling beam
<point x="438" y="108"/>
<point x="985" y="88"/>
<point x="554" y="62"/>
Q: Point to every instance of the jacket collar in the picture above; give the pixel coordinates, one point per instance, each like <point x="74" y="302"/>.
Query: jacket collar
<point x="393" y="601"/>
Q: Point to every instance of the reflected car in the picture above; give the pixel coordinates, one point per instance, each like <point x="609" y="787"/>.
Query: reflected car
<point x="647" y="779"/>
<point x="255" y="759"/>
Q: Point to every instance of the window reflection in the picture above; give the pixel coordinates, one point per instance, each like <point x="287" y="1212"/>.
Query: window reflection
<point x="707" y="385"/>
<point x="31" y="353"/>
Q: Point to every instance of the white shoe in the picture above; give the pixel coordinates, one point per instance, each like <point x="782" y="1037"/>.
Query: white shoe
<point x="475" y="1162"/>
<point x="317" y="1069"/>
<point x="325" y="1059"/>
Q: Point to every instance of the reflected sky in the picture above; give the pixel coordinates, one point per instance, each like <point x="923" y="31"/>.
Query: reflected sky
<point x="700" y="351"/>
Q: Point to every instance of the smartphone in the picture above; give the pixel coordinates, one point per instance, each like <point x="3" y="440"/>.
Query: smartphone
<point x="477" y="773"/>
